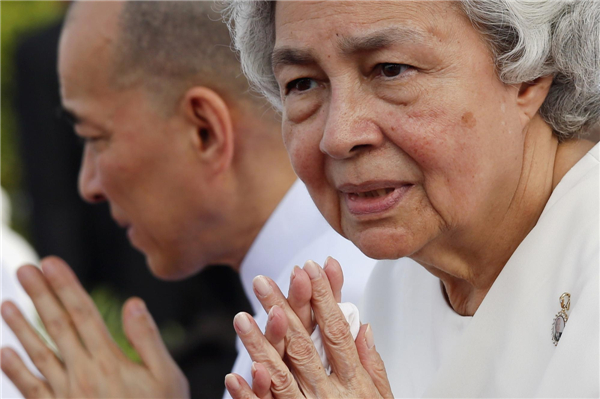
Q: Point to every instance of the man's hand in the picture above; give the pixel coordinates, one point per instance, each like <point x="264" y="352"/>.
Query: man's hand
<point x="90" y="363"/>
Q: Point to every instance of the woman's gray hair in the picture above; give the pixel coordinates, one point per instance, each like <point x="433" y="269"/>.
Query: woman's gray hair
<point x="528" y="39"/>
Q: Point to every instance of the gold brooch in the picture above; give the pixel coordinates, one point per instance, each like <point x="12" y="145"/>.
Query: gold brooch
<point x="561" y="318"/>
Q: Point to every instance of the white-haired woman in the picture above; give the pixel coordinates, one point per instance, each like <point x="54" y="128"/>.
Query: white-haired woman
<point x="450" y="133"/>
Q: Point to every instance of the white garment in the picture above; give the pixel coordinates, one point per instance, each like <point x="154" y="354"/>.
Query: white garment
<point x="350" y="312"/>
<point x="295" y="233"/>
<point x="15" y="251"/>
<point x="413" y="325"/>
<point x="505" y="349"/>
<point x="10" y="290"/>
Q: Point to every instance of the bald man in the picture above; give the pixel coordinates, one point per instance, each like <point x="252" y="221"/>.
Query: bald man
<point x="192" y="164"/>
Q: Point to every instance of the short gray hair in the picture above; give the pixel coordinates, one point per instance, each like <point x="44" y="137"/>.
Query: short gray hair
<point x="170" y="46"/>
<point x="529" y="39"/>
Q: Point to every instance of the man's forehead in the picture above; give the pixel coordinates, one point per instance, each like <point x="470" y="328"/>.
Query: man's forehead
<point x="90" y="33"/>
<point x="86" y="48"/>
<point x="104" y="12"/>
<point x="91" y="24"/>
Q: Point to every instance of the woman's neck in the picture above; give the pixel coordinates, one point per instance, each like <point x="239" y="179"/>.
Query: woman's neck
<point x="467" y="264"/>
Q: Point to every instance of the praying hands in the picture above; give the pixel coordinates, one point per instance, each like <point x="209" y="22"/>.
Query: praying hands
<point x="89" y="363"/>
<point x="286" y="363"/>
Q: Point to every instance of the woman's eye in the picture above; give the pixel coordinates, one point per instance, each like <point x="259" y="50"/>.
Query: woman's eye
<point x="392" y="70"/>
<point x="302" y="84"/>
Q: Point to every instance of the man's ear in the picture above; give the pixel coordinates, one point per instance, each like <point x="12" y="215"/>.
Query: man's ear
<point x="211" y="118"/>
<point x="531" y="96"/>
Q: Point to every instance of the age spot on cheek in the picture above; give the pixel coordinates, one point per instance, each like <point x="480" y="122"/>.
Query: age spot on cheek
<point x="468" y="120"/>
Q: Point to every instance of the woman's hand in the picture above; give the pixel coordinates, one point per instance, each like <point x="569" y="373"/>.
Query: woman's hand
<point x="357" y="369"/>
<point x="90" y="363"/>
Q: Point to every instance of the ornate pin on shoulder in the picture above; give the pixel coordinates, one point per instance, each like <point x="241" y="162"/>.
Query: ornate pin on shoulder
<point x="561" y="317"/>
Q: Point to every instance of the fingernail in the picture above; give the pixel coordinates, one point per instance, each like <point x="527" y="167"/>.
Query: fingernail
<point x="293" y="276"/>
<point x="137" y="308"/>
<point x="313" y="270"/>
<point x="25" y="273"/>
<point x="7" y="310"/>
<point x="271" y="314"/>
<point x="6" y="354"/>
<point x="253" y="369"/>
<point x="262" y="286"/>
<point x="369" y="339"/>
<point x="231" y="382"/>
<point x="242" y="323"/>
<point x="49" y="266"/>
<point x="326" y="262"/>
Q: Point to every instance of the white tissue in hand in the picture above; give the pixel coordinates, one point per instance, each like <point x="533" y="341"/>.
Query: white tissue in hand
<point x="350" y="311"/>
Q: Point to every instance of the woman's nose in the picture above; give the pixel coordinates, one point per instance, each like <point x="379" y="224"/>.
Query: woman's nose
<point x="349" y="129"/>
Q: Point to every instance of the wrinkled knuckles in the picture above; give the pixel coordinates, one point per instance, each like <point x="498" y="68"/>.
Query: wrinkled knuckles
<point x="336" y="330"/>
<point x="255" y="346"/>
<point x="282" y="382"/>
<point x="300" y="349"/>
<point x="378" y="368"/>
<point x="321" y="293"/>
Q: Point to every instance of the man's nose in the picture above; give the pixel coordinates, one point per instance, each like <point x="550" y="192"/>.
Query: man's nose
<point x="349" y="130"/>
<point x="90" y="188"/>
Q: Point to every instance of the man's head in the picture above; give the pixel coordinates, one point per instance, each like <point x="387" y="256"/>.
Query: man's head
<point x="174" y="141"/>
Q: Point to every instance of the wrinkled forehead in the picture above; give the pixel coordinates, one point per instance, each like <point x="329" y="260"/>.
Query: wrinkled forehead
<point x="342" y="24"/>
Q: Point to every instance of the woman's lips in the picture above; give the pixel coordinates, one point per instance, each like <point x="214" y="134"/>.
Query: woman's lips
<point x="374" y="201"/>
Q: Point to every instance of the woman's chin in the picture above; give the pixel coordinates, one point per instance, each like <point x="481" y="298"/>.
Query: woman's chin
<point x="383" y="245"/>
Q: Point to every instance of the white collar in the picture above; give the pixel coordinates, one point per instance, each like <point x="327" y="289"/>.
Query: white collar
<point x="291" y="227"/>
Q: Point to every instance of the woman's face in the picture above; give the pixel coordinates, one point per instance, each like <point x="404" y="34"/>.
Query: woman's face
<point x="395" y="119"/>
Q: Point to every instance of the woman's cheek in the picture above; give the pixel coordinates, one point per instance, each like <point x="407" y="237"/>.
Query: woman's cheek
<point x="303" y="149"/>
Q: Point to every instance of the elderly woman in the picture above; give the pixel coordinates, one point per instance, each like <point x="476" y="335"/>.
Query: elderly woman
<point x="449" y="133"/>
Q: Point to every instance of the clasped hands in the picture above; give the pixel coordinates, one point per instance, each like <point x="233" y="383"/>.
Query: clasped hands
<point x="90" y="365"/>
<point x="286" y="363"/>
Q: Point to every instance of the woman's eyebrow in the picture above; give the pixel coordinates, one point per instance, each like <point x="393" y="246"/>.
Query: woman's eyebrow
<point x="374" y="41"/>
<point x="380" y="39"/>
<point x="288" y="56"/>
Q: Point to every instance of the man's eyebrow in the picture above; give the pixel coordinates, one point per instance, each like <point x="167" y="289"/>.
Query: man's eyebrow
<point x="380" y="39"/>
<point x="67" y="116"/>
<point x="73" y="119"/>
<point x="288" y="56"/>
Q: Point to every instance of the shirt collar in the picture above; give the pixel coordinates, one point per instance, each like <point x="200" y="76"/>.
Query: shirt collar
<point x="294" y="224"/>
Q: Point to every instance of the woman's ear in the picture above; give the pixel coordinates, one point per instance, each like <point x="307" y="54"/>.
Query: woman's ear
<point x="213" y="128"/>
<point x="531" y="96"/>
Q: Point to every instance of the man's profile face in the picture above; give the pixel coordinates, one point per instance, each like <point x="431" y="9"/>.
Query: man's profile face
<point x="132" y="158"/>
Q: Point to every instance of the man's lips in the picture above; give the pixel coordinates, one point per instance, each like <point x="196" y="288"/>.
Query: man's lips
<point x="373" y="197"/>
<point x="124" y="224"/>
